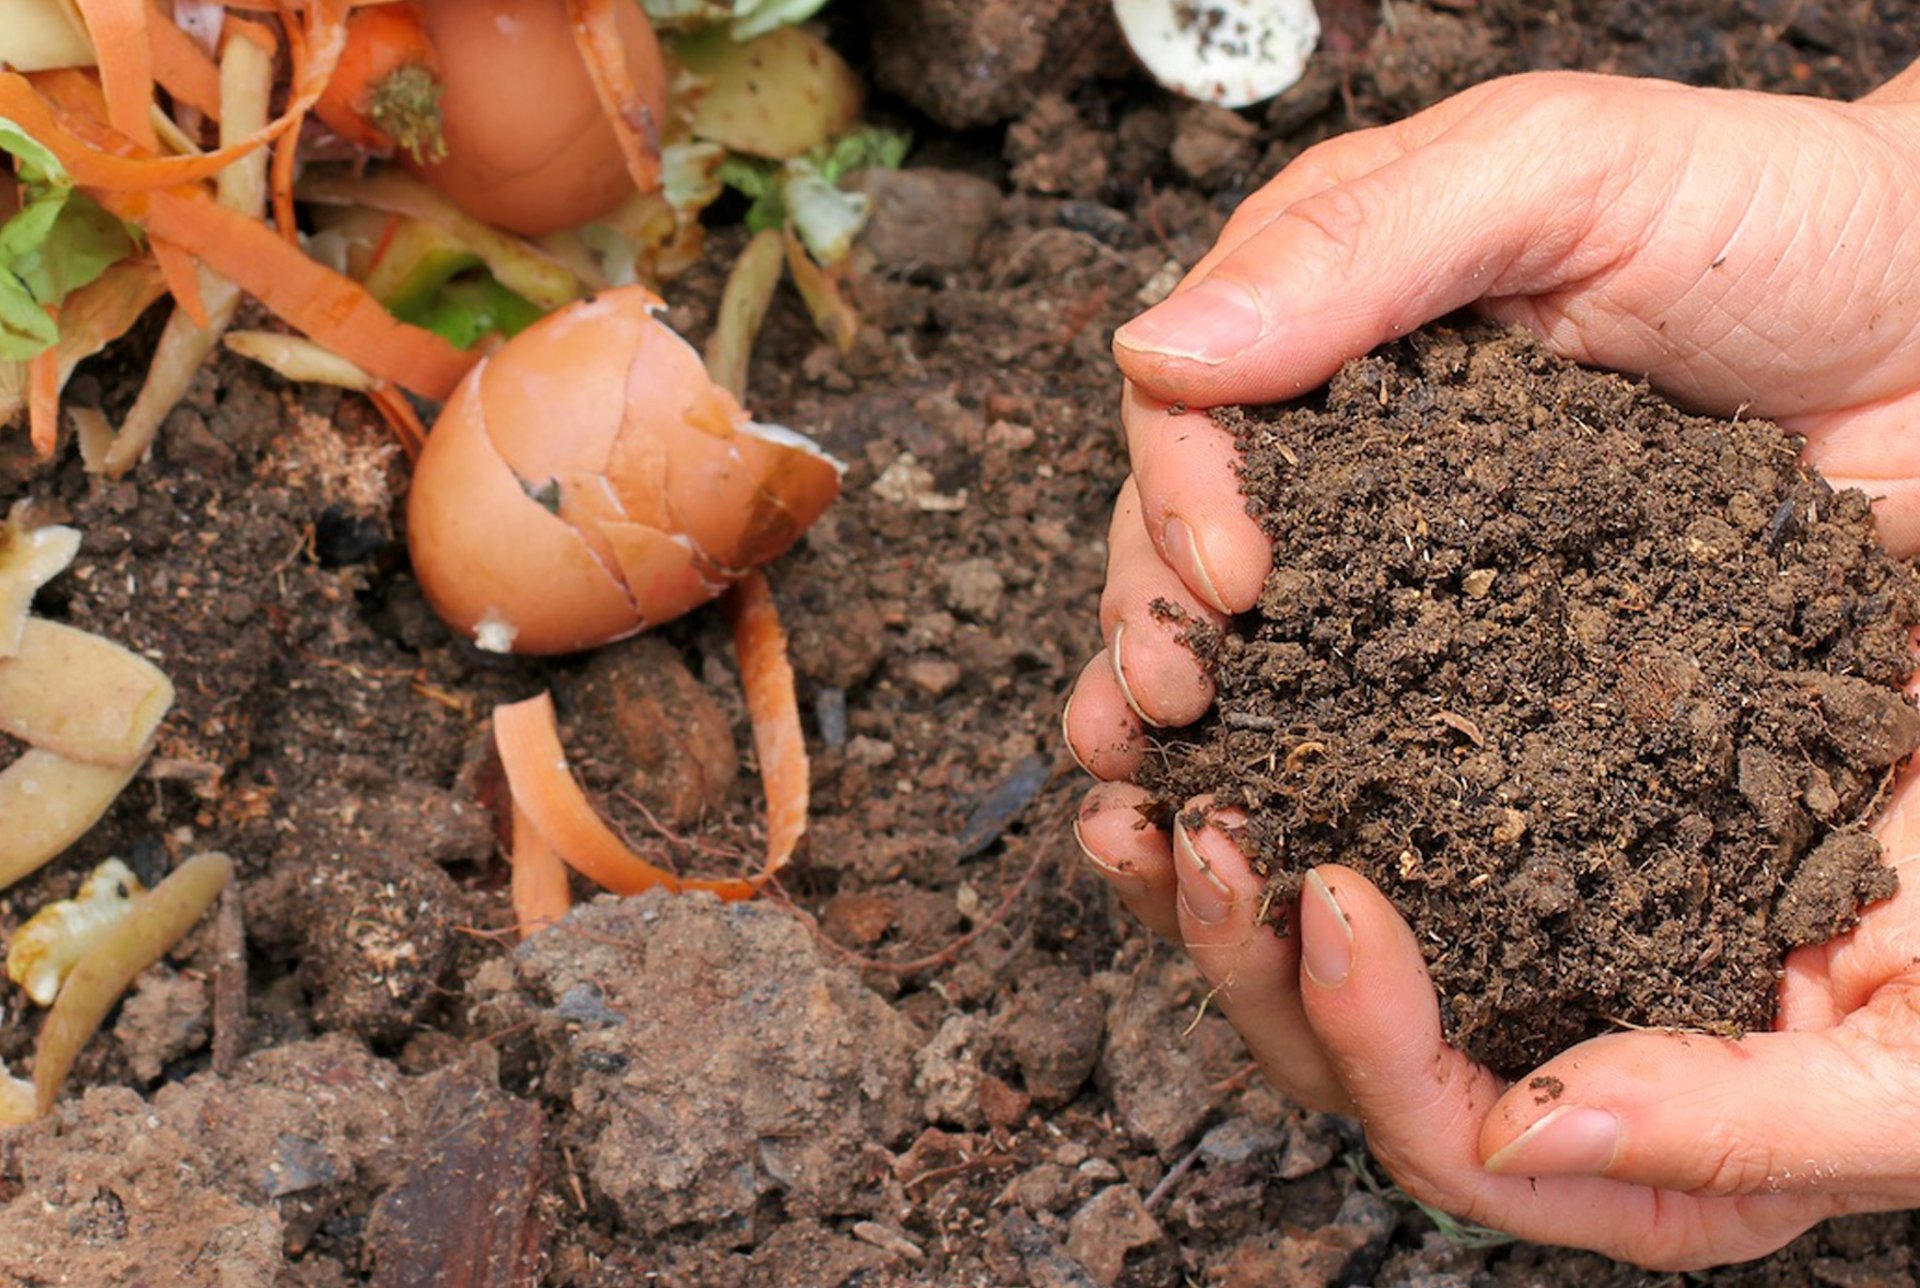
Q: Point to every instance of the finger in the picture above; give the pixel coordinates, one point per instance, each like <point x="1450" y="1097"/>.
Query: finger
<point x="1372" y="1004"/>
<point x="1186" y="470"/>
<point x="1130" y="854"/>
<point x="1099" y="725"/>
<point x="1338" y="160"/>
<point x="1347" y="268"/>
<point x="1146" y="611"/>
<point x="1328" y="164"/>
<point x="1872" y="448"/>
<point x="1771" y="1113"/>
<point x="1254" y="971"/>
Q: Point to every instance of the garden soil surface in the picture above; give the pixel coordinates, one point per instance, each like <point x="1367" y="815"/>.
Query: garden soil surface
<point x="943" y="1056"/>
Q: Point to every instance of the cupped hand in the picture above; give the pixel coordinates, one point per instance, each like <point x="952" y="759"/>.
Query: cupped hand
<point x="1674" y="1151"/>
<point x="1740" y="250"/>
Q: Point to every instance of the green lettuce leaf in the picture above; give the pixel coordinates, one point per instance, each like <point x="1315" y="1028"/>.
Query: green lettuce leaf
<point x="57" y="242"/>
<point x="469" y="307"/>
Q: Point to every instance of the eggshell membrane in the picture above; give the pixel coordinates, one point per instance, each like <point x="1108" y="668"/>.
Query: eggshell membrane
<point x="481" y="546"/>
<point x="528" y="146"/>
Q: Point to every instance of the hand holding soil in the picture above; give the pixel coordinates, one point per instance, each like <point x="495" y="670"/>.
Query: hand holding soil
<point x="1739" y="250"/>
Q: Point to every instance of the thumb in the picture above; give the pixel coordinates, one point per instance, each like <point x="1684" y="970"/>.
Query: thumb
<point x="1770" y="1113"/>
<point x="1496" y="205"/>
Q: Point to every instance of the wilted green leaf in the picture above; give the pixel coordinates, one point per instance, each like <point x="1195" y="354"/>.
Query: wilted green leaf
<point x="25" y="328"/>
<point x="469" y="307"/>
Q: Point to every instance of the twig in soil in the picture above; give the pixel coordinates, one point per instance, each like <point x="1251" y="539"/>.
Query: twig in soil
<point x="229" y="983"/>
<point x="983" y="1163"/>
<point x="946" y="956"/>
<point x="1158" y="1194"/>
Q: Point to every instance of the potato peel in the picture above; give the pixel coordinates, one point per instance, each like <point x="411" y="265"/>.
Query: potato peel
<point x="159" y="920"/>
<point x="80" y="696"/>
<point x="29" y="559"/>
<point x="49" y="802"/>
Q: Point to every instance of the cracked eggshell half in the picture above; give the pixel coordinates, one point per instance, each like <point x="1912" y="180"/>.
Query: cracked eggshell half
<point x="589" y="480"/>
<point x="1230" y="52"/>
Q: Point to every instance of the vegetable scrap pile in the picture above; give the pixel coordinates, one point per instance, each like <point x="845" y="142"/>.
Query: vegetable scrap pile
<point x="418" y="215"/>
<point x="421" y="237"/>
<point x="88" y="711"/>
<point x="1602" y="695"/>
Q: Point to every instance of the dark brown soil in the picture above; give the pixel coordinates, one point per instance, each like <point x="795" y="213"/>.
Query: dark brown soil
<point x="839" y="1090"/>
<point x="1601" y="694"/>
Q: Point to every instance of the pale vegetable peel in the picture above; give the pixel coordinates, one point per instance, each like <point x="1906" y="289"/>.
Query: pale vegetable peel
<point x="777" y="96"/>
<point x="80" y="696"/>
<point x="159" y="920"/>
<point x="49" y="802"/>
<point x="1234" y="53"/>
<point x="44" y="950"/>
<point x="29" y="559"/>
<point x="37" y="35"/>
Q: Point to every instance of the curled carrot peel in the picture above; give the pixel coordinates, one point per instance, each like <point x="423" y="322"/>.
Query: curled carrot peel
<point x="123" y="49"/>
<point x="180" y="66"/>
<point x="159" y="920"/>
<point x="332" y="309"/>
<point x="541" y="895"/>
<point x="597" y="35"/>
<point x="43" y="401"/>
<point x="766" y="673"/>
<point x="546" y="793"/>
<point x="401" y="418"/>
<point x="99" y="157"/>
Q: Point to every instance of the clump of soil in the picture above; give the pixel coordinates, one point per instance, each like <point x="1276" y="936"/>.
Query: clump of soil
<point x="1601" y="694"/>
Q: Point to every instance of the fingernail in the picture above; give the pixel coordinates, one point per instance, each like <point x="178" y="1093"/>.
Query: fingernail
<point x="1128" y="885"/>
<point x="1183" y="551"/>
<point x="1204" y="894"/>
<point x="1066" y="736"/>
<point x="1570" y="1141"/>
<point x="1326" y="953"/>
<point x="1210" y="323"/>
<point x="1120" y="675"/>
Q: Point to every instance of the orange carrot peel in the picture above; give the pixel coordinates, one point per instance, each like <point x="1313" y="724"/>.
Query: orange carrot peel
<point x="554" y="815"/>
<point x="597" y="35"/>
<point x="541" y="895"/>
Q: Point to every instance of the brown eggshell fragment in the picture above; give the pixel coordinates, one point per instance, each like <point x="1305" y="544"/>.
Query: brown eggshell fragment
<point x="556" y="407"/>
<point x="493" y="561"/>
<point x="661" y="571"/>
<point x="596" y="439"/>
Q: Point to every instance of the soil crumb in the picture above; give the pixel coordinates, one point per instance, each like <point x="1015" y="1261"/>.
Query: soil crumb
<point x="1601" y="694"/>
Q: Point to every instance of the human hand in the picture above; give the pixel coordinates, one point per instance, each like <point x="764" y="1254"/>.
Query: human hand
<point x="1674" y="1151"/>
<point x="1741" y="250"/>
<point x="1692" y="236"/>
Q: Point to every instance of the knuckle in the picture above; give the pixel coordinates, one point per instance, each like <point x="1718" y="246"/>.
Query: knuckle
<point x="1339" y="219"/>
<point x="1735" y="1166"/>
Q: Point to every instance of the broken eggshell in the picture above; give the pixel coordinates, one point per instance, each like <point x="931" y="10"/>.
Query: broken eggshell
<point x="1230" y="52"/>
<point x="589" y="481"/>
